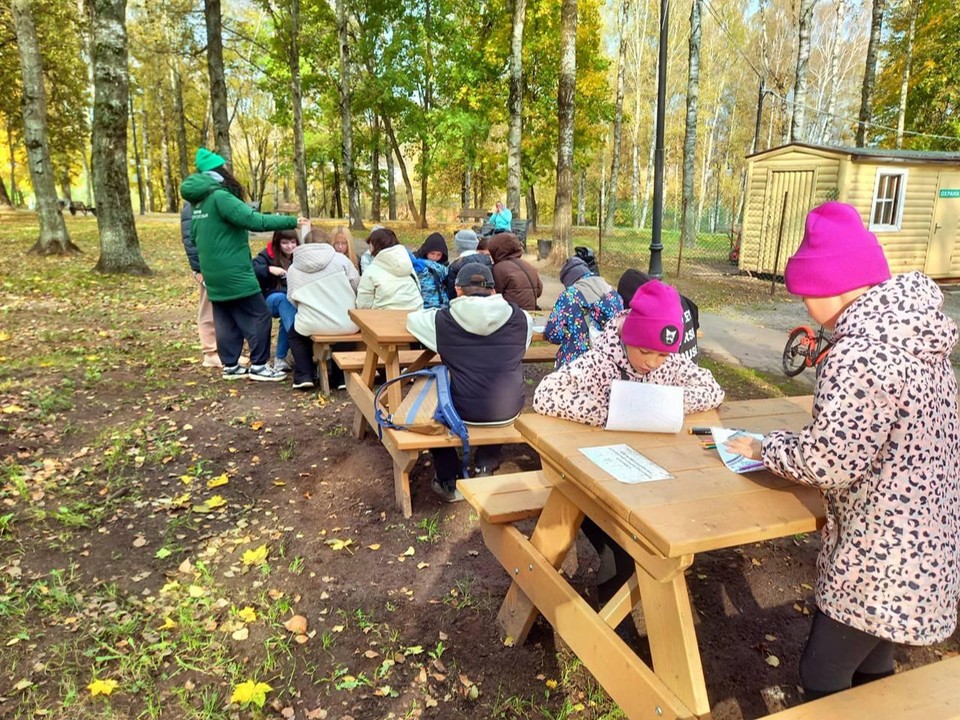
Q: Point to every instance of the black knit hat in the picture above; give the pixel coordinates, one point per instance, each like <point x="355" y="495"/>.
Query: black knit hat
<point x="434" y="242"/>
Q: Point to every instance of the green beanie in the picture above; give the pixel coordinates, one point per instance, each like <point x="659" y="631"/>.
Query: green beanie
<point x="207" y="160"/>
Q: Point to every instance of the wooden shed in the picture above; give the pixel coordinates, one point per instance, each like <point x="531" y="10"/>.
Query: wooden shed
<point x="910" y="199"/>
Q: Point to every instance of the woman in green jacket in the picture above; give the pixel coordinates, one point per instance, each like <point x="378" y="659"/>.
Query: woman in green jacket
<point x="220" y="229"/>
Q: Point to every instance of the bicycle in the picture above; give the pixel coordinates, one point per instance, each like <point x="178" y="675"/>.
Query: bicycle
<point x="805" y="349"/>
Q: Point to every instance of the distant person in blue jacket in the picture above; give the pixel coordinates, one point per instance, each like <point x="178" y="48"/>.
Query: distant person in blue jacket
<point x="501" y="218"/>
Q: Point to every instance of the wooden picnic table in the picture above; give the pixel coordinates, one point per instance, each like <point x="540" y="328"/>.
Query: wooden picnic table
<point x="385" y="335"/>
<point x="662" y="525"/>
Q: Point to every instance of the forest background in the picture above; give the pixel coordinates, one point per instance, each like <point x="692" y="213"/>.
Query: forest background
<point x="379" y="110"/>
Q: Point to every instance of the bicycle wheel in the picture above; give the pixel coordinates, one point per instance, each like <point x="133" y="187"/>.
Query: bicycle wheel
<point x="796" y="351"/>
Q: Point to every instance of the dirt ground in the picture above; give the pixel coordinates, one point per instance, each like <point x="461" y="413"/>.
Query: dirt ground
<point x="181" y="535"/>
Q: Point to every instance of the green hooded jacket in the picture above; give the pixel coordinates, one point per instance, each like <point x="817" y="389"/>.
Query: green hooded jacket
<point x="219" y="229"/>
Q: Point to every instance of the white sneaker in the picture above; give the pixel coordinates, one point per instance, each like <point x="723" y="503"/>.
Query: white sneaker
<point x="235" y="372"/>
<point x="281" y="364"/>
<point x="265" y="373"/>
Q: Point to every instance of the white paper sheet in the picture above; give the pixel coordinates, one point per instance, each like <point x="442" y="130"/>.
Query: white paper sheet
<point x="625" y="464"/>
<point x="737" y="463"/>
<point x="645" y="407"/>
<point x="539" y="328"/>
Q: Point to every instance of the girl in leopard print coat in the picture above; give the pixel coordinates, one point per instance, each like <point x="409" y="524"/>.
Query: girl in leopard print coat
<point x="883" y="448"/>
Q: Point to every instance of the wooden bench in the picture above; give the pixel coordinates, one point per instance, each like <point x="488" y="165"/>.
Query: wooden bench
<point x="473" y="214"/>
<point x="322" y="351"/>
<point x="353" y="361"/>
<point x="507" y="498"/>
<point x="931" y="692"/>
<point x="405" y="447"/>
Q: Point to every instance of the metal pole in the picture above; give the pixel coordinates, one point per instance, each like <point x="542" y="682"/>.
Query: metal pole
<point x="656" y="233"/>
<point x="776" y="257"/>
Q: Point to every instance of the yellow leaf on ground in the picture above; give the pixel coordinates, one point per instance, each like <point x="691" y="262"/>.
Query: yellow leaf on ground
<point x="102" y="687"/>
<point x="196" y="591"/>
<point x="410" y="552"/>
<point x="337" y="544"/>
<point x="247" y="614"/>
<point x="250" y="693"/>
<point x="4" y="336"/>
<point x="218" y="481"/>
<point x="422" y="565"/>
<point x="215" y="502"/>
<point x="256" y="425"/>
<point x="257" y="556"/>
<point x="375" y="546"/>
<point x="187" y="479"/>
<point x="168" y="624"/>
<point x="10" y="409"/>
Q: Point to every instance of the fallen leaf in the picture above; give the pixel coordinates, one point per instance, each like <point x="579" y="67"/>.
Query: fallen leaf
<point x="247" y="614"/>
<point x="241" y="634"/>
<point x="410" y="552"/>
<point x="10" y="409"/>
<point x="217" y="482"/>
<point x="371" y="654"/>
<point x="215" y="502"/>
<point x="297" y="624"/>
<point x="168" y="624"/>
<point x="102" y="687"/>
<point x="422" y="565"/>
<point x="773" y="661"/>
<point x="375" y="546"/>
<point x="256" y="425"/>
<point x="337" y="544"/>
<point x="250" y="693"/>
<point x="257" y="556"/>
<point x="23" y="685"/>
<point x="162" y="553"/>
<point x="139" y="541"/>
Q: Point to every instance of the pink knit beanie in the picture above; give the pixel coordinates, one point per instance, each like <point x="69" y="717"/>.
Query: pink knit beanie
<point x="837" y="254"/>
<point x="655" y="320"/>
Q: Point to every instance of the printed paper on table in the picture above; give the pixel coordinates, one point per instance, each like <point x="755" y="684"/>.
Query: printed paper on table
<point x="737" y="463"/>
<point x="645" y="407"/>
<point x="625" y="464"/>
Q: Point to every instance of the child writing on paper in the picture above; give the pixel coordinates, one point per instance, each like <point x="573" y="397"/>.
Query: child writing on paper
<point x="642" y="345"/>
<point x="883" y="448"/>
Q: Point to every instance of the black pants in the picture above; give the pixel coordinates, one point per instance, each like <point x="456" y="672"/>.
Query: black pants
<point x="446" y="461"/>
<point x="245" y="318"/>
<point x="616" y="564"/>
<point x="838" y="656"/>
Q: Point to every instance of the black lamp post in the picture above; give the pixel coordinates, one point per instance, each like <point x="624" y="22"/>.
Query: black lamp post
<point x="656" y="231"/>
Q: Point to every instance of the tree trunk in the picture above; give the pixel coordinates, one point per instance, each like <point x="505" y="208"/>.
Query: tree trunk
<point x="299" y="152"/>
<point x="827" y="134"/>
<point x="346" y="119"/>
<point x="635" y="179"/>
<point x="581" y="196"/>
<point x="905" y="80"/>
<point x="324" y="207"/>
<point x="870" y="73"/>
<point x="562" y="215"/>
<point x="797" y="130"/>
<point x="388" y="126"/>
<point x="53" y="237"/>
<point x="14" y="192"/>
<point x="218" y="83"/>
<point x="166" y="164"/>
<point x="136" y="157"/>
<point x="375" y="170"/>
<point x="65" y="186"/>
<point x="337" y="198"/>
<point x="424" y="176"/>
<point x="391" y="185"/>
<point x="612" y="193"/>
<point x="146" y="157"/>
<point x="533" y="210"/>
<point x="4" y="197"/>
<point x="647" y="184"/>
<point x="689" y="223"/>
<point x="181" y="125"/>
<point x="515" y="106"/>
<point x="119" y="247"/>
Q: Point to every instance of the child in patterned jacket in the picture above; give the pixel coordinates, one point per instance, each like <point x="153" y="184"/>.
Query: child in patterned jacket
<point x="581" y="311"/>
<point x="641" y="345"/>
<point x="883" y="448"/>
<point x="430" y="263"/>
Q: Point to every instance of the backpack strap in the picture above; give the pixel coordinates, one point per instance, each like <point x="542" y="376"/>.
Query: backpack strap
<point x="382" y="416"/>
<point x="447" y="413"/>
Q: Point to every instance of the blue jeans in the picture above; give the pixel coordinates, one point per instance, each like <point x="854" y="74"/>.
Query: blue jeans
<point x="280" y="307"/>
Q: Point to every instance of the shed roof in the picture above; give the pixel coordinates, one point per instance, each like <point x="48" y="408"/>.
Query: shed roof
<point x="864" y="154"/>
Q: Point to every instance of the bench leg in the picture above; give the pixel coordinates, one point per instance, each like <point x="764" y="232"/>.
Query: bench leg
<point x="401" y="484"/>
<point x="368" y="376"/>
<point x="554" y="534"/>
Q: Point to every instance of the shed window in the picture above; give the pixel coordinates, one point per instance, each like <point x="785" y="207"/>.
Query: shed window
<point x="888" y="193"/>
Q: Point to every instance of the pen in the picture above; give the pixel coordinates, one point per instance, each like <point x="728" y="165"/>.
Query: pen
<point x="699" y="431"/>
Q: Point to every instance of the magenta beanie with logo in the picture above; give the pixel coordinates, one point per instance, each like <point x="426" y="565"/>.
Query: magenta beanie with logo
<point x="655" y="319"/>
<point x="837" y="254"/>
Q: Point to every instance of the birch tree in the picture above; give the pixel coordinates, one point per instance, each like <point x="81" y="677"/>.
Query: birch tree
<point x="296" y="100"/>
<point x="346" y="119"/>
<point x="870" y="73"/>
<point x="218" y="82"/>
<point x="905" y="78"/>
<point x="53" y="238"/>
<point x="618" y="117"/>
<point x="688" y="231"/>
<point x="797" y="130"/>
<point x="562" y="208"/>
<point x="119" y="246"/>
<point x="515" y="103"/>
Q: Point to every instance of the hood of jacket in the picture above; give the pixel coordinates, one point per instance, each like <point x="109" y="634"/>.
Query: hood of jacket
<point x="904" y="313"/>
<point x="394" y="260"/>
<point x="313" y="257"/>
<point x="196" y="187"/>
<point x="593" y="288"/>
<point x="504" y="246"/>
<point x="481" y="314"/>
<point x="434" y="242"/>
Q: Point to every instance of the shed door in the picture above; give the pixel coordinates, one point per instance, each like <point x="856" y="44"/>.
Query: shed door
<point x="795" y="188"/>
<point x="943" y="259"/>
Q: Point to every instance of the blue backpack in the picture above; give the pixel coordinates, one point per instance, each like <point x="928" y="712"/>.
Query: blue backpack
<point x="427" y="408"/>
